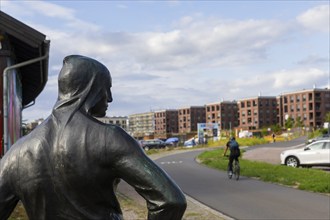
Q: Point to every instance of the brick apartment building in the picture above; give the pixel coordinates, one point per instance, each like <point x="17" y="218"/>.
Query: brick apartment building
<point x="189" y="117"/>
<point x="255" y="113"/>
<point x="166" y="123"/>
<point x="310" y="106"/>
<point x="225" y="113"/>
<point x="258" y="112"/>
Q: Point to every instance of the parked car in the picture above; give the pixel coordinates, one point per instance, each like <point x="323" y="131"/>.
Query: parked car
<point x="152" y="144"/>
<point x="314" y="154"/>
<point x="321" y="137"/>
<point x="190" y="143"/>
<point x="172" y="142"/>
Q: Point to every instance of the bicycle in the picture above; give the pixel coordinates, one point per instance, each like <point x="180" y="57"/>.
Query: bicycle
<point x="236" y="170"/>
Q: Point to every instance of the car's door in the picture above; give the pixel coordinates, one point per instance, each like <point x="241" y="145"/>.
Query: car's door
<point x="325" y="153"/>
<point x="313" y="154"/>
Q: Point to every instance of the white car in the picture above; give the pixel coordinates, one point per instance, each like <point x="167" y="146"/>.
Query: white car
<point x="314" y="154"/>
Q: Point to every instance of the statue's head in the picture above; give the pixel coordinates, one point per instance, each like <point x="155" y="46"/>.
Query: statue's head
<point x="84" y="83"/>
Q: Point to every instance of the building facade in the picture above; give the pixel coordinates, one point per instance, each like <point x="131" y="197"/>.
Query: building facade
<point x="142" y="125"/>
<point x="166" y="123"/>
<point x="121" y="121"/>
<point x="189" y="117"/>
<point x="307" y="106"/>
<point x="258" y="112"/>
<point x="224" y="113"/>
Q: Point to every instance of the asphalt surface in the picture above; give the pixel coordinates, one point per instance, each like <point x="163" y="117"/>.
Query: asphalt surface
<point x="247" y="198"/>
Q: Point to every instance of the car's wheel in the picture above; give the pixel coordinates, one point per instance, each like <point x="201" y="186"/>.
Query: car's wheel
<point x="292" y="162"/>
<point x="146" y="148"/>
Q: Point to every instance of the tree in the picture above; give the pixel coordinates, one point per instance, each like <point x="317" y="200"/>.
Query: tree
<point x="289" y="123"/>
<point x="327" y="117"/>
<point x="276" y="128"/>
<point x="298" y="123"/>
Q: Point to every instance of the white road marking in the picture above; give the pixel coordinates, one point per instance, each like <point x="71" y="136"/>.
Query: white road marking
<point x="171" y="162"/>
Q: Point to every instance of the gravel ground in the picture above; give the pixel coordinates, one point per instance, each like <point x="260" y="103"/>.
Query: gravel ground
<point x="134" y="206"/>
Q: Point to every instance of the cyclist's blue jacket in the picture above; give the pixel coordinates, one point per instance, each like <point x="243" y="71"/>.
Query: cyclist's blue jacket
<point x="234" y="147"/>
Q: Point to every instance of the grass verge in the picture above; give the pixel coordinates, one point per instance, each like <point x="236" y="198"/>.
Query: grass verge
<point x="301" y="178"/>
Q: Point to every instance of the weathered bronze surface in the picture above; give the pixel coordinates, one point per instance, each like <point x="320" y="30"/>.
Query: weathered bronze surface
<point x="67" y="167"/>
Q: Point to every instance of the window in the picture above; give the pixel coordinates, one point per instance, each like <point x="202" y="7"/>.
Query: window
<point x="304" y="107"/>
<point x="291" y="98"/>
<point x="255" y="112"/>
<point x="327" y="146"/>
<point x="316" y="146"/>
<point x="285" y="100"/>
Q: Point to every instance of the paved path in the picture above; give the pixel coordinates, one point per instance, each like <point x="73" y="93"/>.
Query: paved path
<point x="267" y="153"/>
<point x="244" y="199"/>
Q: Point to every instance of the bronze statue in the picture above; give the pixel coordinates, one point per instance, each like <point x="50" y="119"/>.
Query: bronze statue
<point x="66" y="168"/>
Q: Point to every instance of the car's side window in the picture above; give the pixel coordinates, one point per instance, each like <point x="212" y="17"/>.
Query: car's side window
<point x="316" y="146"/>
<point x="326" y="146"/>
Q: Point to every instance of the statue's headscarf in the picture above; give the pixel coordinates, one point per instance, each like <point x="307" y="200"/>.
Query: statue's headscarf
<point x="81" y="82"/>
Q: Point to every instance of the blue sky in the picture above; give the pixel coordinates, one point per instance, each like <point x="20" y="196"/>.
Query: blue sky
<point x="173" y="54"/>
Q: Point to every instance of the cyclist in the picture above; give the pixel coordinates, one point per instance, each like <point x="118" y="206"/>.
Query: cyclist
<point x="234" y="153"/>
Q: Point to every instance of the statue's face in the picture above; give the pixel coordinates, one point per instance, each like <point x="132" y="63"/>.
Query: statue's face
<point x="100" y="108"/>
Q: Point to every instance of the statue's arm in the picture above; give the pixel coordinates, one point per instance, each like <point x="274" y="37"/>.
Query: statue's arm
<point x="8" y="200"/>
<point x="164" y="198"/>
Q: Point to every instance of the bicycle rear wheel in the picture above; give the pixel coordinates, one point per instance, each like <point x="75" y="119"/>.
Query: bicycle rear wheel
<point x="236" y="169"/>
<point x="230" y="174"/>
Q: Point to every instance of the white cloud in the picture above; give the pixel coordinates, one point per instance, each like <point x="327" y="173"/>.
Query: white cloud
<point x="298" y="77"/>
<point x="50" y="10"/>
<point x="317" y="18"/>
<point x="65" y="16"/>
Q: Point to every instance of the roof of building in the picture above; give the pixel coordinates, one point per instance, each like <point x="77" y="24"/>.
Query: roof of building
<point x="222" y="102"/>
<point x="257" y="97"/>
<point x="27" y="44"/>
<point x="166" y="110"/>
<point x="307" y="90"/>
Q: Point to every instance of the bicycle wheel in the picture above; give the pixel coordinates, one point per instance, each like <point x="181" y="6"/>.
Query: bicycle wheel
<point x="236" y="169"/>
<point x="230" y="174"/>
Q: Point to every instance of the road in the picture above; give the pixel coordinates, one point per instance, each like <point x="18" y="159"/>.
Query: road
<point x="244" y="199"/>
